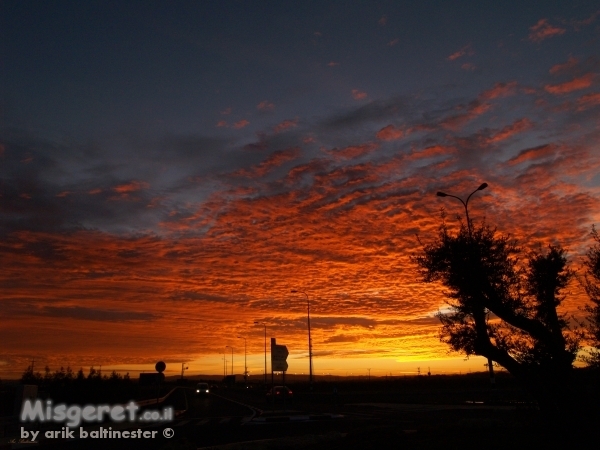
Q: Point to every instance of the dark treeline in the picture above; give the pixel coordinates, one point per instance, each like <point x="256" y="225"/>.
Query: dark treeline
<point x="65" y="385"/>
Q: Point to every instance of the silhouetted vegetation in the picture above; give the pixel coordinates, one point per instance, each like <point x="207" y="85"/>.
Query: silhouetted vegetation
<point x="506" y="310"/>
<point x="66" y="385"/>
<point x="592" y="287"/>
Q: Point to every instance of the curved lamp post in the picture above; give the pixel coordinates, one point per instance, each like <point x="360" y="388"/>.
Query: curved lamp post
<point x="465" y="204"/>
<point x="481" y="187"/>
<point x="310" y="364"/>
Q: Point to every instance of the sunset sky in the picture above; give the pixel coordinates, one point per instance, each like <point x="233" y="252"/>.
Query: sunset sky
<point x="169" y="171"/>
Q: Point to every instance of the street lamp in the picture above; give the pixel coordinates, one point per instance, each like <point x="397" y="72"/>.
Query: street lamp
<point x="465" y="204"/>
<point x="481" y="187"/>
<point x="245" y="364"/>
<point x="265" y="325"/>
<point x="310" y="364"/>
<point x="229" y="346"/>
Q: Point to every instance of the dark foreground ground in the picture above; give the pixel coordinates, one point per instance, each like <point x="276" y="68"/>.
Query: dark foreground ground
<point x="427" y="412"/>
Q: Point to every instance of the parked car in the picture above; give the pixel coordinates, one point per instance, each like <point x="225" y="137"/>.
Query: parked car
<point x="280" y="393"/>
<point x="202" y="389"/>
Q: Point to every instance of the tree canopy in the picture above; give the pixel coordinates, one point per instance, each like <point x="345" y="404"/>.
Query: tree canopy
<point x="502" y="308"/>
<point x="592" y="287"/>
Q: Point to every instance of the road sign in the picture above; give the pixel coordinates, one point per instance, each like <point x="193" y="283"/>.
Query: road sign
<point x="279" y="354"/>
<point x="160" y="367"/>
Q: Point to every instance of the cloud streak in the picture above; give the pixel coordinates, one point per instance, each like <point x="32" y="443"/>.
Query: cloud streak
<point x="542" y="30"/>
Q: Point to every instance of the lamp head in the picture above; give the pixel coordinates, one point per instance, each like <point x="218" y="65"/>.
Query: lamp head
<point x="441" y="194"/>
<point x="481" y="188"/>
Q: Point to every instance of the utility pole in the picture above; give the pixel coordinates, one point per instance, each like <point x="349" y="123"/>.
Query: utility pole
<point x="310" y="363"/>
<point x="245" y="363"/>
<point x="231" y="358"/>
<point x="265" y="325"/>
<point x="182" y="369"/>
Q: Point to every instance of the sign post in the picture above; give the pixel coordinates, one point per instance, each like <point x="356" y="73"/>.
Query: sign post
<point x="160" y="368"/>
<point x="279" y="354"/>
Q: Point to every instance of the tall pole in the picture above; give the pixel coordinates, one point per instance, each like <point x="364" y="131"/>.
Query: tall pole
<point x="265" y="325"/>
<point x="310" y="364"/>
<point x="245" y="363"/>
<point x="231" y="357"/>
<point x="481" y="187"/>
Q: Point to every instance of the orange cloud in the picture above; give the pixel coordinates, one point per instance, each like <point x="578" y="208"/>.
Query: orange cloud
<point x="570" y="64"/>
<point x="221" y="123"/>
<point x="474" y="110"/>
<point x="358" y="95"/>
<point x="241" y="124"/>
<point x="499" y="90"/>
<point x="393" y="42"/>
<point x="531" y="154"/>
<point x="462" y="52"/>
<point x="95" y="191"/>
<point x="582" y="82"/>
<point x="588" y="101"/>
<point x="468" y="66"/>
<point x="578" y="24"/>
<point x="226" y="111"/>
<point x="265" y="105"/>
<point x="275" y="160"/>
<point x="518" y="126"/>
<point x="543" y="30"/>
<point x="430" y="152"/>
<point x="383" y="21"/>
<point x="390" y="133"/>
<point x="353" y="151"/>
<point x="285" y="125"/>
<point x="131" y="187"/>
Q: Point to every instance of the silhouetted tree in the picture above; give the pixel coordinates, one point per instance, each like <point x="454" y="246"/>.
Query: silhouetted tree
<point x="592" y="287"/>
<point x="29" y="377"/>
<point x="503" y="310"/>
